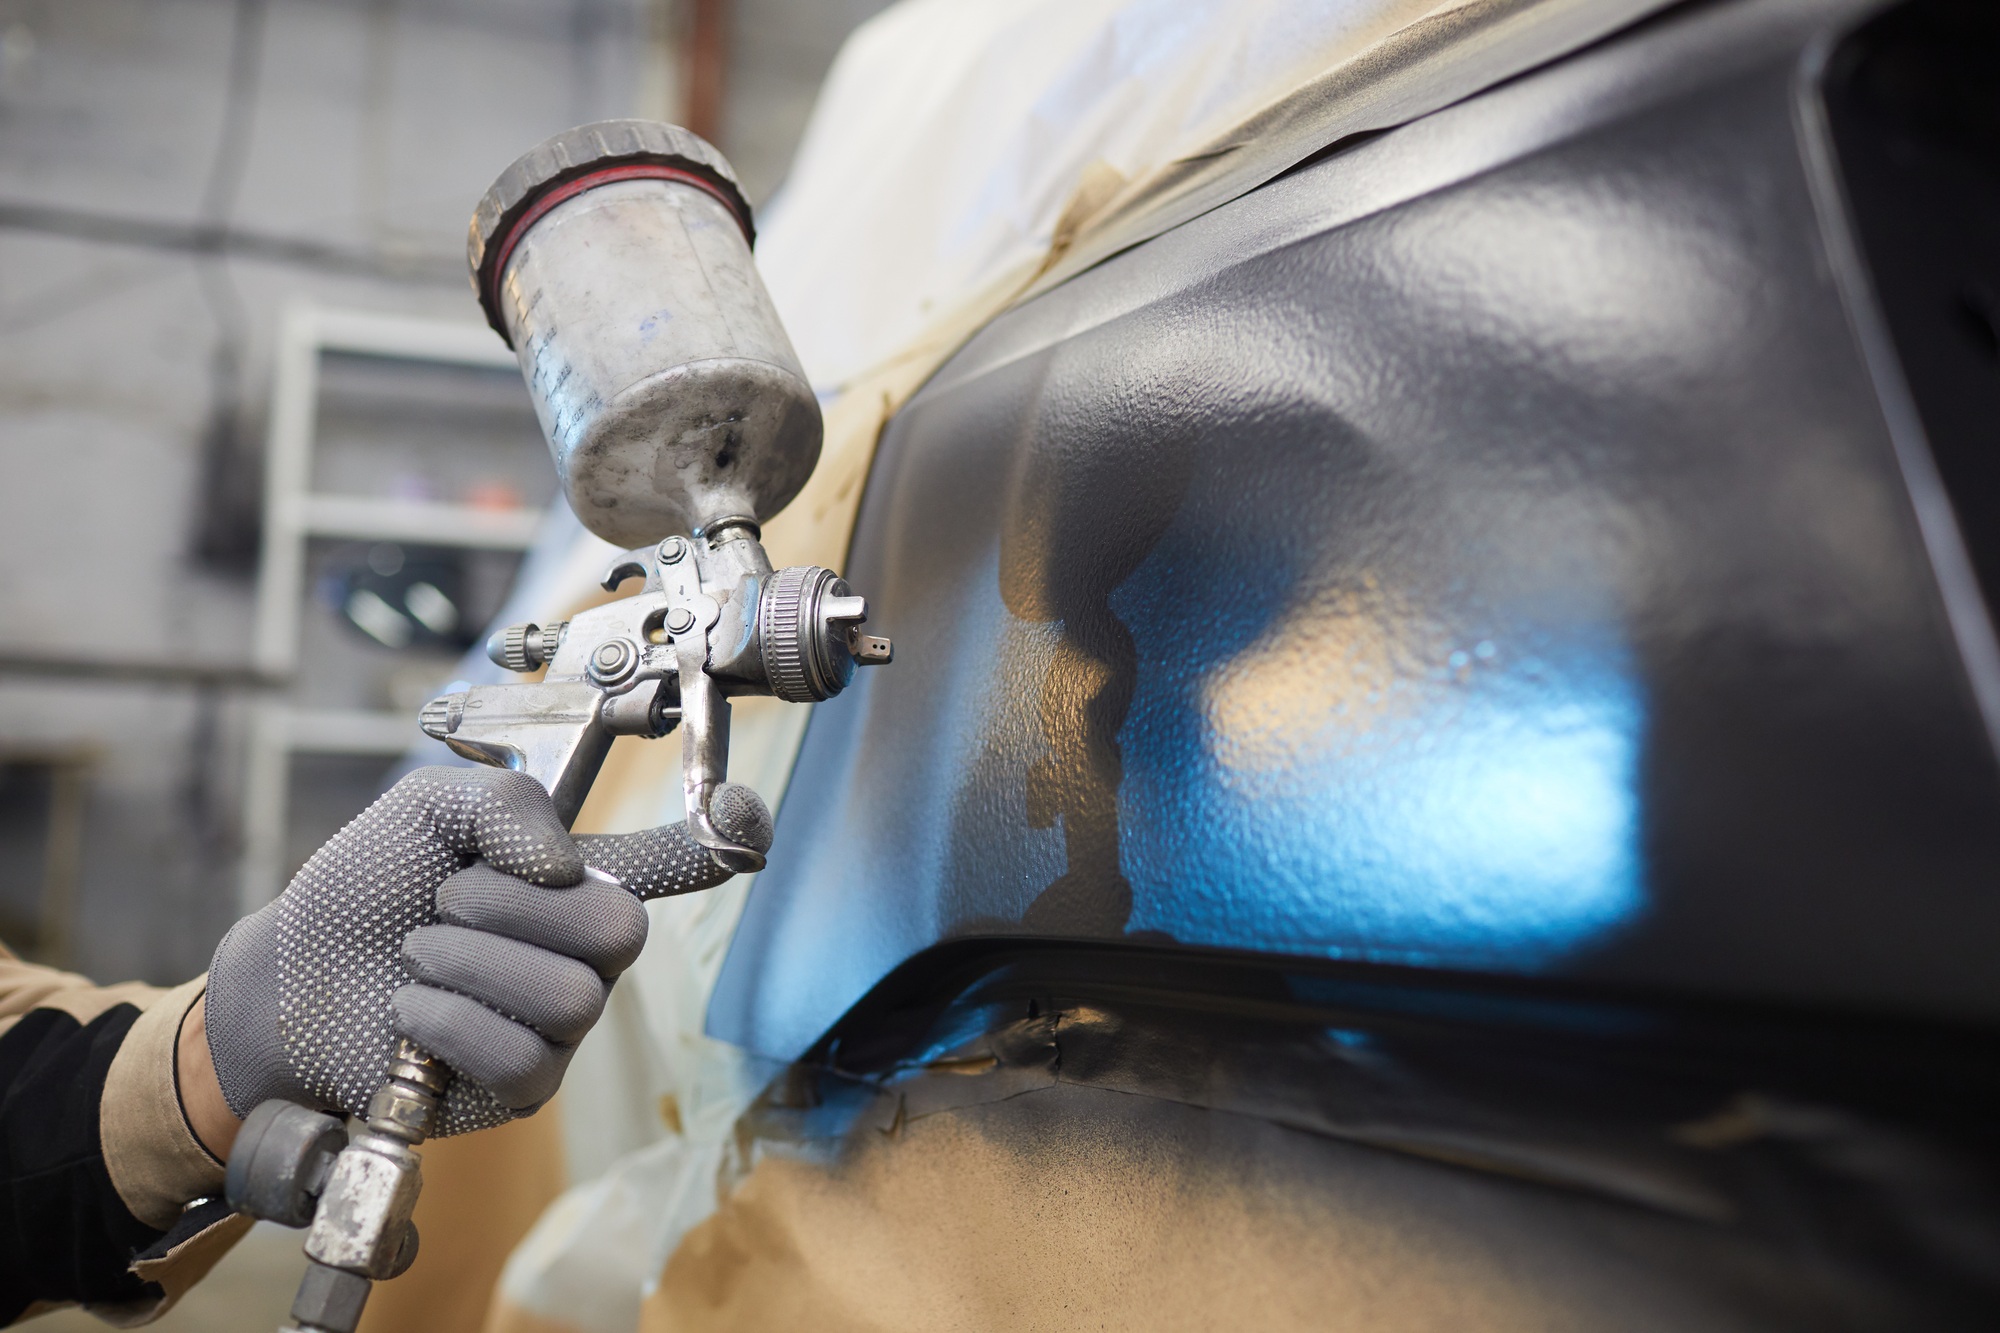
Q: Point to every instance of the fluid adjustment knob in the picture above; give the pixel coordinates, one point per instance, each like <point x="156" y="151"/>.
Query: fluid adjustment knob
<point x="525" y="647"/>
<point x="808" y="626"/>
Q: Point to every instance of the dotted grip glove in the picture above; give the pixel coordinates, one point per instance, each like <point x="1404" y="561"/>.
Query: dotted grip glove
<point x="453" y="911"/>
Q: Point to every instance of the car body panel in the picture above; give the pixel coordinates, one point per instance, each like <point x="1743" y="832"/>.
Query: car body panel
<point x="1482" y="549"/>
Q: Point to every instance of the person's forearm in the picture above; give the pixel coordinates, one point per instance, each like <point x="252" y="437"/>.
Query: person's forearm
<point x="207" y="1111"/>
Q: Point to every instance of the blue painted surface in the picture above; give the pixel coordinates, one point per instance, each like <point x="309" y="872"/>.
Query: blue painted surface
<point x="1335" y="774"/>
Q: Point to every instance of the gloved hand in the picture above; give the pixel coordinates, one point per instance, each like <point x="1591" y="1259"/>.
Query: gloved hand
<point x="453" y="911"/>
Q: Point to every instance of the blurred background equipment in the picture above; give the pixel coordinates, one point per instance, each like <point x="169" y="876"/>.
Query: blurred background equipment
<point x="42" y="799"/>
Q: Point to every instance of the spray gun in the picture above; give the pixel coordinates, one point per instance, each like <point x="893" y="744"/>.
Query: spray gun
<point x="615" y="260"/>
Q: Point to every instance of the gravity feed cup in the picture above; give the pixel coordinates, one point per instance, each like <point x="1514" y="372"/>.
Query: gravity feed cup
<point x="615" y="260"/>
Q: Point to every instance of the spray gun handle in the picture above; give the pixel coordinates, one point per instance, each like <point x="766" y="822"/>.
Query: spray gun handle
<point x="360" y="1202"/>
<point x="300" y="1168"/>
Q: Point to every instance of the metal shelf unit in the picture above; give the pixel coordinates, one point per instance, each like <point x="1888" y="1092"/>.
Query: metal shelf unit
<point x="294" y="514"/>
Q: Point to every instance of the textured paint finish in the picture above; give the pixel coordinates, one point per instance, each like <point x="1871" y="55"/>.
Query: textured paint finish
<point x="1511" y="574"/>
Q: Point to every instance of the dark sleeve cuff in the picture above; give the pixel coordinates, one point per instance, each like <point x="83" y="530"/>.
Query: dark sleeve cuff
<point x="66" y="1235"/>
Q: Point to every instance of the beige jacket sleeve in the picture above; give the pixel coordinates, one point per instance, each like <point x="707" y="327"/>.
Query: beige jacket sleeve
<point x="25" y="986"/>
<point x="155" y="1162"/>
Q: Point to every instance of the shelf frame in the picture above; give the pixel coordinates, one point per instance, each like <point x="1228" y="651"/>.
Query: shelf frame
<point x="294" y="514"/>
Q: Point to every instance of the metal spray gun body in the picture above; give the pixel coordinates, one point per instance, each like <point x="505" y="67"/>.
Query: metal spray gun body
<point x="712" y="621"/>
<point x="615" y="259"/>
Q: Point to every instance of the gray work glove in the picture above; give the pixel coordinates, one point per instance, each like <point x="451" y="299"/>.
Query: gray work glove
<point x="453" y="911"/>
